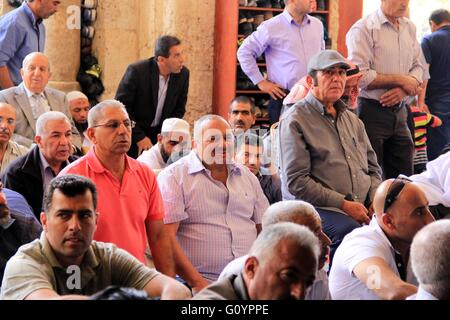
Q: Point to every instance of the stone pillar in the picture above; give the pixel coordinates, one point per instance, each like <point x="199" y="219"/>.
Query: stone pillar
<point x="5" y="7"/>
<point x="62" y="46"/>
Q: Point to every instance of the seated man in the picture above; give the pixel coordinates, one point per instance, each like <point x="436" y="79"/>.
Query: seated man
<point x="18" y="225"/>
<point x="281" y="265"/>
<point x="301" y="213"/>
<point x="79" y="107"/>
<point x="9" y="149"/>
<point x="30" y="174"/>
<point x="249" y="152"/>
<point x="173" y="142"/>
<point x="325" y="155"/>
<point x="213" y="206"/>
<point x="66" y="263"/>
<point x="372" y="262"/>
<point x="241" y="115"/>
<point x="32" y="98"/>
<point x="430" y="261"/>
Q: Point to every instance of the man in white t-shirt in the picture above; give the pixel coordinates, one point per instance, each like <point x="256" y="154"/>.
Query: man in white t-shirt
<point x="372" y="262"/>
<point x="174" y="142"/>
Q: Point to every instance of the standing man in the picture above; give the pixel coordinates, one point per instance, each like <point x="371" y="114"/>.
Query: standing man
<point x="153" y="90"/>
<point x="287" y="41"/>
<point x="129" y="201"/>
<point x="436" y="47"/>
<point x="384" y="46"/>
<point x="21" y="32"/>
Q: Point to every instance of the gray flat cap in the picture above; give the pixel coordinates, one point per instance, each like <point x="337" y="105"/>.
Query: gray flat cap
<point x="327" y="59"/>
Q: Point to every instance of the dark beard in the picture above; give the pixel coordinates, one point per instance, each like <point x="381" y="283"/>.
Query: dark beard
<point x="81" y="126"/>
<point x="165" y="156"/>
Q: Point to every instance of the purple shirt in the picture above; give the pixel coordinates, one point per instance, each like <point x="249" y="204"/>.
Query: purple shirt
<point x="287" y="47"/>
<point x="217" y="223"/>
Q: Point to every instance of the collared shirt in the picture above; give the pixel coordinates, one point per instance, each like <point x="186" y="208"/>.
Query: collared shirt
<point x="422" y="294"/>
<point x="287" y="47"/>
<point x="359" y="245"/>
<point x="124" y="209"/>
<point x="13" y="151"/>
<point x="217" y="222"/>
<point x="230" y="288"/>
<point x="38" y="102"/>
<point x="47" y="172"/>
<point x="152" y="158"/>
<point x="20" y="34"/>
<point x="323" y="159"/>
<point x="35" y="267"/>
<point x="376" y="46"/>
<point x="162" y="93"/>
<point x="317" y="291"/>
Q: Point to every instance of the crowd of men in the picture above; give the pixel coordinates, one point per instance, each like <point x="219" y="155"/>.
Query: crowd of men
<point x="120" y="193"/>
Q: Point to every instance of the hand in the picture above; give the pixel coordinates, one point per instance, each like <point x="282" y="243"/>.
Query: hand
<point x="144" y="144"/>
<point x="199" y="285"/>
<point x="411" y="85"/>
<point x="356" y="210"/>
<point x="275" y="91"/>
<point x="392" y="97"/>
<point x="423" y="107"/>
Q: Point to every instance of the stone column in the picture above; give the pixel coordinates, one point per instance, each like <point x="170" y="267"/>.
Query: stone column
<point x="5" y="7"/>
<point x="62" y="46"/>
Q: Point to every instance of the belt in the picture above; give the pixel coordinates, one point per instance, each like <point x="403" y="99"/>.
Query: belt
<point x="395" y="108"/>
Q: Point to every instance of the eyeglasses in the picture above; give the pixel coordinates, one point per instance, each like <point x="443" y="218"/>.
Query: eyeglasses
<point x="394" y="190"/>
<point x="114" y="125"/>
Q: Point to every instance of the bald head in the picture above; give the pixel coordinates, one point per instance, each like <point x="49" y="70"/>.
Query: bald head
<point x="35" y="72"/>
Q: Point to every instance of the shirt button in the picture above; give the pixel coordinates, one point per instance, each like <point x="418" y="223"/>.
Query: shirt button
<point x="354" y="176"/>
<point x="348" y="157"/>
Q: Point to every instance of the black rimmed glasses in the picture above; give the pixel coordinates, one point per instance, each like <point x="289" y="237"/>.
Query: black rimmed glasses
<point x="394" y="190"/>
<point x="114" y="124"/>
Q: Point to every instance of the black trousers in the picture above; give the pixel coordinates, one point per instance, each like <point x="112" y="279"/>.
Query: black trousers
<point x="275" y="107"/>
<point x="389" y="135"/>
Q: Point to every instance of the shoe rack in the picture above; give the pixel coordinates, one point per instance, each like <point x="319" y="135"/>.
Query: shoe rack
<point x="235" y="20"/>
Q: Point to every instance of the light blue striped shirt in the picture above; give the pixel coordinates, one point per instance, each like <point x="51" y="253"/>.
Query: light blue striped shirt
<point x="217" y="223"/>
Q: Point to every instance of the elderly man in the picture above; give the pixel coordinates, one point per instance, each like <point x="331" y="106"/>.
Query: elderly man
<point x="241" y="115"/>
<point x="373" y="261"/>
<point x="153" y="90"/>
<point x="22" y="32"/>
<point x="32" y="98"/>
<point x="79" y="107"/>
<point x="9" y="149"/>
<point x="18" y="225"/>
<point x="213" y="206"/>
<point x="30" y="174"/>
<point x="130" y="205"/>
<point x="66" y="264"/>
<point x="301" y="213"/>
<point x="325" y="156"/>
<point x="279" y="252"/>
<point x="384" y="46"/>
<point x="173" y="142"/>
<point x="430" y="260"/>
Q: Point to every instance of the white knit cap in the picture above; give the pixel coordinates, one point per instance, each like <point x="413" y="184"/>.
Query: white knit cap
<point x="74" y="95"/>
<point x="175" y="125"/>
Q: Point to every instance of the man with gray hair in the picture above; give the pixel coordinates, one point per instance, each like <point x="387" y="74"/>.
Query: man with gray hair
<point x="32" y="98"/>
<point x="430" y="259"/>
<point x="301" y="213"/>
<point x="30" y="174"/>
<point x="281" y="265"/>
<point x="213" y="206"/>
<point x="129" y="200"/>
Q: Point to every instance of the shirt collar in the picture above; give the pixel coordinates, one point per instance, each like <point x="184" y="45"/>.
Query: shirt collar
<point x="383" y="19"/>
<point x="13" y="148"/>
<point x="316" y="104"/>
<point x="8" y="224"/>
<point x="374" y="224"/>
<point x="95" y="164"/>
<point x="195" y="164"/>
<point x="31" y="94"/>
<point x="290" y="19"/>
<point x="239" y="286"/>
<point x="35" y="22"/>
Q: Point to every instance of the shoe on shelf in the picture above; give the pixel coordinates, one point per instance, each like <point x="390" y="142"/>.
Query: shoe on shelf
<point x="250" y="17"/>
<point x="321" y="5"/>
<point x="245" y="28"/>
<point x="243" y="3"/>
<point x="276" y="4"/>
<point x="258" y="19"/>
<point x="268" y="15"/>
<point x="264" y="3"/>
<point x="251" y="3"/>
<point x="242" y="17"/>
<point x="89" y="4"/>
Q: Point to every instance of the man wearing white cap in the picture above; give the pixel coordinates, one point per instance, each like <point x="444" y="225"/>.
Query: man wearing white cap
<point x="173" y="143"/>
<point x="79" y="107"/>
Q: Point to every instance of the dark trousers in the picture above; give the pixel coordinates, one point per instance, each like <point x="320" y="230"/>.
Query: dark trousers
<point x="439" y="138"/>
<point x="275" y="107"/>
<point x="389" y="135"/>
<point x="336" y="226"/>
<point x="152" y="134"/>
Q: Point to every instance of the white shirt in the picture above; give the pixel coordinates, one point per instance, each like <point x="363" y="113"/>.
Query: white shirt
<point x="361" y="244"/>
<point x="38" y="103"/>
<point x="152" y="158"/>
<point x="162" y="93"/>
<point x="422" y="294"/>
<point x="318" y="290"/>
<point x="435" y="181"/>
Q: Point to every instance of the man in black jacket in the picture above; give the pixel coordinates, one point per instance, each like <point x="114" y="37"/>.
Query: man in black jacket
<point x="30" y="174"/>
<point x="153" y="90"/>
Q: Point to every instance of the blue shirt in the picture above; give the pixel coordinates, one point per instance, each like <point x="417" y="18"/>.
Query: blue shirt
<point x="20" y="34"/>
<point x="436" y="48"/>
<point x="287" y="47"/>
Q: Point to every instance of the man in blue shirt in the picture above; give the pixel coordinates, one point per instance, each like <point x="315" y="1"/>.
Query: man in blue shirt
<point x="22" y="32"/>
<point x="435" y="49"/>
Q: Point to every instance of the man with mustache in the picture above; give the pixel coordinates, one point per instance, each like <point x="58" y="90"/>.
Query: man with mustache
<point x="30" y="174"/>
<point x="325" y="156"/>
<point x="241" y="115"/>
<point x="130" y="205"/>
<point x="79" y="107"/>
<point x="9" y="149"/>
<point x="18" y="225"/>
<point x="66" y="264"/>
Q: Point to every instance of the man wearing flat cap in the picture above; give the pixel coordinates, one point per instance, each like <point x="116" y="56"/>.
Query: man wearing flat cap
<point x="325" y="155"/>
